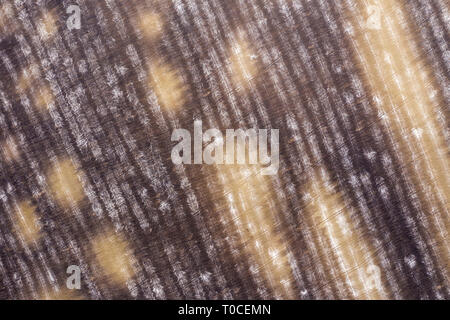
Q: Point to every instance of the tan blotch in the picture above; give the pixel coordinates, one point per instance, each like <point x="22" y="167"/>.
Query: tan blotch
<point x="3" y="19"/>
<point x="44" y="97"/>
<point x="10" y="150"/>
<point x="243" y="63"/>
<point x="5" y="26"/>
<point x="25" y="80"/>
<point x="168" y="85"/>
<point x="64" y="183"/>
<point x="335" y="231"/>
<point x="27" y="222"/>
<point x="42" y="93"/>
<point x="252" y="217"/>
<point x="404" y="93"/>
<point x="113" y="255"/>
<point x="47" y="26"/>
<point x="151" y="25"/>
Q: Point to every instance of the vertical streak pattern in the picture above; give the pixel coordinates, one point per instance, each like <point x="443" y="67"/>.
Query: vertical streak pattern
<point x="358" y="208"/>
<point x="400" y="82"/>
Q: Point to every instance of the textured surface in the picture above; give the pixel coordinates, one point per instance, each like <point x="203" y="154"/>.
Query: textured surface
<point x="359" y="90"/>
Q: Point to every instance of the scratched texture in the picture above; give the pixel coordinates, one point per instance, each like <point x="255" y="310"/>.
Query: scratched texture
<point x="359" y="90"/>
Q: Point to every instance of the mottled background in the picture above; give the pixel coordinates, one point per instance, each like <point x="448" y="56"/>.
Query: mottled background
<point x="359" y="90"/>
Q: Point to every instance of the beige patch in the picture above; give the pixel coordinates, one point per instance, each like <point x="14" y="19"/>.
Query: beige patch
<point x="3" y="19"/>
<point x="243" y="63"/>
<point x="43" y="95"/>
<point x="403" y="89"/>
<point x="9" y="150"/>
<point x="5" y="26"/>
<point x="169" y="87"/>
<point x="64" y="183"/>
<point x="331" y="223"/>
<point x="47" y="25"/>
<point x="25" y="80"/>
<point x="44" y="98"/>
<point x="250" y="216"/>
<point x="113" y="255"/>
<point x="151" y="25"/>
<point x="27" y="222"/>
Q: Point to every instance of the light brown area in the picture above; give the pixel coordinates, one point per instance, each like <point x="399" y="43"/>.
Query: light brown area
<point x="64" y="183"/>
<point x="47" y="25"/>
<point x="404" y="93"/>
<point x="168" y="85"/>
<point x="251" y="218"/>
<point x="44" y="98"/>
<point x="42" y="93"/>
<point x="9" y="149"/>
<point x="3" y="19"/>
<point x="332" y="225"/>
<point x="27" y="222"/>
<point x="113" y="255"/>
<point x="151" y="25"/>
<point x="5" y="26"/>
<point x="243" y="63"/>
<point x="25" y="80"/>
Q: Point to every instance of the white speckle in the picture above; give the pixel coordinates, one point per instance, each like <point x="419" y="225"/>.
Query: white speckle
<point x="417" y="132"/>
<point x="378" y="102"/>
<point x="411" y="261"/>
<point x="383" y="116"/>
<point x="206" y="276"/>
<point x="82" y="66"/>
<point x="158" y="290"/>
<point x="370" y="155"/>
<point x="307" y="197"/>
<point x="164" y="206"/>
<point x="133" y="288"/>
<point x="122" y="70"/>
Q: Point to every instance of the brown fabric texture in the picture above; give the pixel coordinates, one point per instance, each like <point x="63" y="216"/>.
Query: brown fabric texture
<point x="358" y="89"/>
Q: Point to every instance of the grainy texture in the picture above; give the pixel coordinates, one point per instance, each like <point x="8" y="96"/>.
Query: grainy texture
<point x="358" y="209"/>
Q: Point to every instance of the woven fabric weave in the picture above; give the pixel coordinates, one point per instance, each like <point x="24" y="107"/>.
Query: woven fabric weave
<point x="358" y="209"/>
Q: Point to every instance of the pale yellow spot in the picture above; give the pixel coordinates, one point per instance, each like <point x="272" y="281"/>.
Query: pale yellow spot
<point x="47" y="25"/>
<point x="42" y="95"/>
<point x="64" y="183"/>
<point x="331" y="221"/>
<point x="151" y="25"/>
<point x="113" y="255"/>
<point x="393" y="67"/>
<point x="24" y="81"/>
<point x="243" y="63"/>
<point x="252" y="217"/>
<point x="10" y="150"/>
<point x="44" y="98"/>
<point x="169" y="87"/>
<point x="27" y="222"/>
